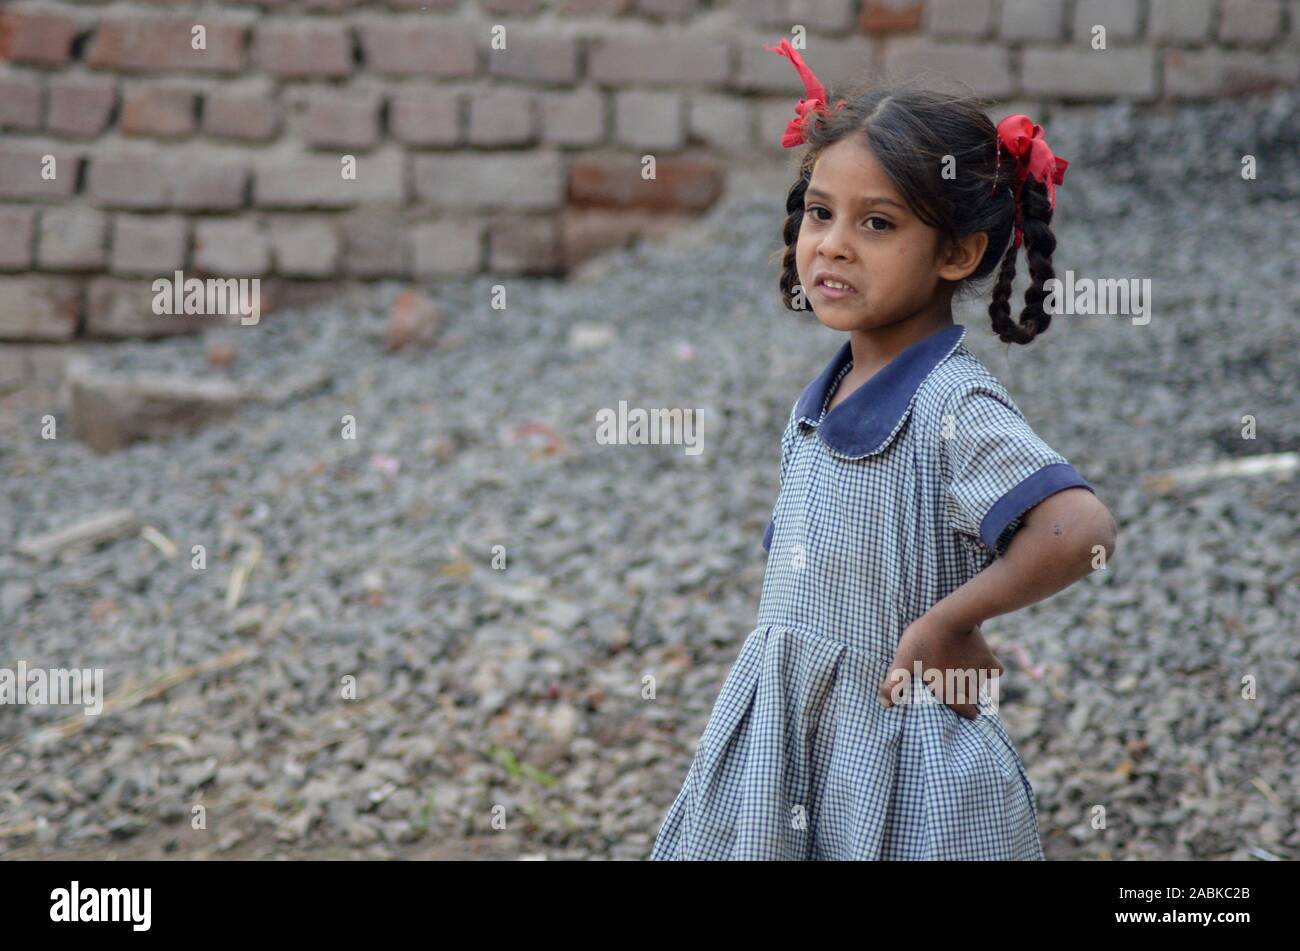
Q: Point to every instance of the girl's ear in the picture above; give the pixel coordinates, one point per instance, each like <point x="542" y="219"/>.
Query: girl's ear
<point x="960" y="258"/>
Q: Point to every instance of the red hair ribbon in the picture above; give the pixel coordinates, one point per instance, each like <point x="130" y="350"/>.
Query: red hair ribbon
<point x="816" y="100"/>
<point x="1023" y="140"/>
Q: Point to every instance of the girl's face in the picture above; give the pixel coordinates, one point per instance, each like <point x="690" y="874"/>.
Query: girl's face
<point x="857" y="230"/>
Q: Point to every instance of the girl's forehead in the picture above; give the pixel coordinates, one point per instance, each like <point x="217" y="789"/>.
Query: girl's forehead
<point x="849" y="169"/>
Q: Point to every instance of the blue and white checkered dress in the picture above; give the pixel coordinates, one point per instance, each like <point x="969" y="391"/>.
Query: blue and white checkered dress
<point x="898" y="496"/>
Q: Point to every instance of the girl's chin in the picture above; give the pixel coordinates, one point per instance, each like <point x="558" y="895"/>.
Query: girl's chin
<point x="838" y="319"/>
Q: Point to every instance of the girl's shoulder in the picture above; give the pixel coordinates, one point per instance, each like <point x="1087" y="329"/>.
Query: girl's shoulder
<point x="960" y="378"/>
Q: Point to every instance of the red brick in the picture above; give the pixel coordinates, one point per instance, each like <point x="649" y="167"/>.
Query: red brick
<point x="147" y="181"/>
<point x="130" y="180"/>
<point x="1129" y="72"/>
<point x="342" y="120"/>
<point x="586" y="233"/>
<point x="39" y="308"/>
<point x="524" y="246"/>
<point x="658" y="61"/>
<point x="124" y="308"/>
<point x="304" y="49"/>
<point x="21" y="168"/>
<point x="320" y="6"/>
<point x="722" y="122"/>
<point x="242" y="116"/>
<point x="680" y="184"/>
<point x="573" y="118"/>
<point x="499" y="117"/>
<point x="304" y="248"/>
<point x="582" y="8"/>
<point x="20" y="101"/>
<point x="72" y="238"/>
<point x="231" y="247"/>
<point x="516" y="180"/>
<point x="1204" y="74"/>
<point x="150" y="43"/>
<point x="516" y="7"/>
<point x="983" y="66"/>
<point x="411" y="47"/>
<point x="416" y="118"/>
<point x="649" y="120"/>
<point x="552" y="60"/>
<point x="158" y="111"/>
<point x="668" y="9"/>
<point x="315" y="181"/>
<point x="891" y="16"/>
<point x="14" y="367"/>
<point x="81" y="106"/>
<point x="17" y="231"/>
<point x="452" y="245"/>
<point x="208" y="185"/>
<point x="373" y="243"/>
<point x="30" y="36"/>
<point x="151" y="245"/>
<point x="1250" y="21"/>
<point x="971" y="18"/>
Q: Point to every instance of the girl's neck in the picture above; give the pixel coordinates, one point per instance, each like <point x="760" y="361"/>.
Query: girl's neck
<point x="874" y="348"/>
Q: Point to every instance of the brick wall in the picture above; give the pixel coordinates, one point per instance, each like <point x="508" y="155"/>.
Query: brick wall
<point x="227" y="160"/>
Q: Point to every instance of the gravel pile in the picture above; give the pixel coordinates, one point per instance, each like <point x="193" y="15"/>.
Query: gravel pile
<point x="500" y="710"/>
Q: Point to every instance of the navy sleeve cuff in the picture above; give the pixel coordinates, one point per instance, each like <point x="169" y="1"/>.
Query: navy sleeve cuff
<point x="1046" y="481"/>
<point x="767" y="535"/>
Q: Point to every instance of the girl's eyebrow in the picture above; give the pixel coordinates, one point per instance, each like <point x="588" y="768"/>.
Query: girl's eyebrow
<point x="864" y="200"/>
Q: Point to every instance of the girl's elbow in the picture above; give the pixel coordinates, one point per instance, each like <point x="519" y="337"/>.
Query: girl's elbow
<point x="1095" y="537"/>
<point x="1105" y="533"/>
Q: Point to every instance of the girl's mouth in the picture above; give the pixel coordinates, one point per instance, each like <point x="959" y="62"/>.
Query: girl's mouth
<point x="834" y="290"/>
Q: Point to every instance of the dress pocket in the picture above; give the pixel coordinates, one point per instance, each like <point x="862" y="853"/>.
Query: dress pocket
<point x="999" y="742"/>
<point x="982" y="727"/>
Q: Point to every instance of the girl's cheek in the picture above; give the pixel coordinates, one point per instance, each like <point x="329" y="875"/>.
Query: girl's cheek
<point x="801" y="262"/>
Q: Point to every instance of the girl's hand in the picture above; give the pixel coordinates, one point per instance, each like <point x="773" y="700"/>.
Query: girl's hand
<point x="940" y="648"/>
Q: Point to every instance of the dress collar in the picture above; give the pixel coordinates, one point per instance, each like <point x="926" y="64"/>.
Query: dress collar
<point x="866" y="420"/>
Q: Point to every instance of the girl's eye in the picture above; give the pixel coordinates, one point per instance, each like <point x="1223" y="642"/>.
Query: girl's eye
<point x="881" y="224"/>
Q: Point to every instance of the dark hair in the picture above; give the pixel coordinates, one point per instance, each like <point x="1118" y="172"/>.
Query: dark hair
<point x="910" y="130"/>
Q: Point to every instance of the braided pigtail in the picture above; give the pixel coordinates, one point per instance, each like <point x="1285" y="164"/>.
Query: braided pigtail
<point x="789" y="283"/>
<point x="1000" y="307"/>
<point x="1039" y="244"/>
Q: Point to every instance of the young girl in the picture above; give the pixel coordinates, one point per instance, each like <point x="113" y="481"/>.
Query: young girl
<point x="915" y="503"/>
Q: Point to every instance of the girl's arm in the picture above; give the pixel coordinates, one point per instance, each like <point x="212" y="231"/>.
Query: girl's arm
<point x="1055" y="547"/>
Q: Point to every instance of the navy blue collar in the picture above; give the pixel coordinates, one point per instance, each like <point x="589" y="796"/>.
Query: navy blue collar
<point x="865" y="421"/>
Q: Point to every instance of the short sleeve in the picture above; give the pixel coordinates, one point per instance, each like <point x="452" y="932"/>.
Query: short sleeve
<point x="787" y="447"/>
<point x="997" y="468"/>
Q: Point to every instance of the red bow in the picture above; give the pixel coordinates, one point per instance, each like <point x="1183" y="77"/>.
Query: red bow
<point x="1023" y="140"/>
<point x="794" y="130"/>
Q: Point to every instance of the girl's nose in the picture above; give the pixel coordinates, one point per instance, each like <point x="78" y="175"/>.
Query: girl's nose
<point x="834" y="244"/>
